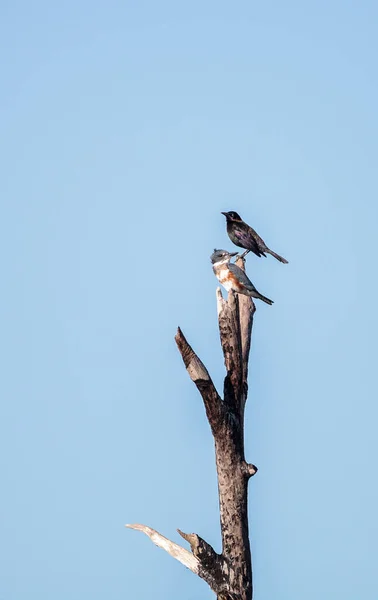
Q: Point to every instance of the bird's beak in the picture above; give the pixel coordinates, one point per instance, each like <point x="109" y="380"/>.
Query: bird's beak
<point x="224" y="213"/>
<point x="233" y="253"/>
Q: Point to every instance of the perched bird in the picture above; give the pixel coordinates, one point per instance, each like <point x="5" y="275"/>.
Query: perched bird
<point x="244" y="236"/>
<point x="232" y="277"/>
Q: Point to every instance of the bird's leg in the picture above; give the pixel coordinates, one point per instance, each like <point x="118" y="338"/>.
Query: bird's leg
<point x="242" y="255"/>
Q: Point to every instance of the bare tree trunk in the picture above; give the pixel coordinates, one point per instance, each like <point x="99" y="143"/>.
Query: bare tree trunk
<point x="229" y="574"/>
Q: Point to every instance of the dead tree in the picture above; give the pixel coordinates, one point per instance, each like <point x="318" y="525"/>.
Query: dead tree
<point x="228" y="574"/>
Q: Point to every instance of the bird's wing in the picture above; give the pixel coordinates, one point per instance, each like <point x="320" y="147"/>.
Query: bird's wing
<point x="241" y="276"/>
<point x="259" y="241"/>
<point x="246" y="238"/>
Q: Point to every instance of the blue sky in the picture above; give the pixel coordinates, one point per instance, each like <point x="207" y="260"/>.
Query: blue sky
<point x="125" y="129"/>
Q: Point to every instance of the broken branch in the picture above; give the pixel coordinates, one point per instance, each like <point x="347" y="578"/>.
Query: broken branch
<point x="200" y="376"/>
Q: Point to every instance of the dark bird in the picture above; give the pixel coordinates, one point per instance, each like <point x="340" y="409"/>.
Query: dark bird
<point x="244" y="236"/>
<point x="232" y="277"/>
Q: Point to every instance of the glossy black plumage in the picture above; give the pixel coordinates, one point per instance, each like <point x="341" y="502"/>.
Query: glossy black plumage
<point x="242" y="235"/>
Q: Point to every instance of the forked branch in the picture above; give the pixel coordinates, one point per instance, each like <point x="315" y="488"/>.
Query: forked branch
<point x="183" y="556"/>
<point x="203" y="560"/>
<point x="228" y="574"/>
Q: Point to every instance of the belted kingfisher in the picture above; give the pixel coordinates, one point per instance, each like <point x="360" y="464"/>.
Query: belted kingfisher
<point x="244" y="236"/>
<point x="232" y="277"/>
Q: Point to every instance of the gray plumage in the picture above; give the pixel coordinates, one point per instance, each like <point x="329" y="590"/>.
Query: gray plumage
<point x="247" y="283"/>
<point x="233" y="277"/>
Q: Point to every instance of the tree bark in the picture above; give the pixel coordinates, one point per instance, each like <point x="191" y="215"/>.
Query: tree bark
<point x="229" y="574"/>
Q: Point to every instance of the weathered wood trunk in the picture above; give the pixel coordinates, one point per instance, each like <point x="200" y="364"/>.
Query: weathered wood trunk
<point x="229" y="574"/>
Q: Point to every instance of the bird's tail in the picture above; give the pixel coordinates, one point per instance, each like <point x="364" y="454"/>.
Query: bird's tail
<point x="277" y="256"/>
<point x="265" y="299"/>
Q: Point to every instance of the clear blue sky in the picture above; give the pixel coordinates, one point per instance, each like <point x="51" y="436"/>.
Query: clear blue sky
<point x="125" y="128"/>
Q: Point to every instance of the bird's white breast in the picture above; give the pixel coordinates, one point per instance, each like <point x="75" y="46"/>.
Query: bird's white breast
<point x="223" y="276"/>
